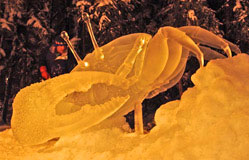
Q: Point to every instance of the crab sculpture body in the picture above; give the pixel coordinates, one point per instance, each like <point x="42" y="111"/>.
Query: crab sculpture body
<point x="109" y="82"/>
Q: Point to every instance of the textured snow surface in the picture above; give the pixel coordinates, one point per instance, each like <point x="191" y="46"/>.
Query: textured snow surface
<point x="209" y="122"/>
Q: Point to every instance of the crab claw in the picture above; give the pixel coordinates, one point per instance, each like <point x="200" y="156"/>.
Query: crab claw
<point x="64" y="105"/>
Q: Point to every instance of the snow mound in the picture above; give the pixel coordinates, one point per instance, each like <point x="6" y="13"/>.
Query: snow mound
<point x="212" y="117"/>
<point x="209" y="122"/>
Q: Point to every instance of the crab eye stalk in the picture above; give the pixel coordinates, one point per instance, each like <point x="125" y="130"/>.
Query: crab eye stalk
<point x="65" y="36"/>
<point x="85" y="17"/>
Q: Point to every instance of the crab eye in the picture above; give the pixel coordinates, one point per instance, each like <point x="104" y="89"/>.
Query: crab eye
<point x="102" y="56"/>
<point x="86" y="64"/>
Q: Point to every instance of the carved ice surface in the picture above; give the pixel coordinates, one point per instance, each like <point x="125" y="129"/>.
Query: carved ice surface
<point x="209" y="122"/>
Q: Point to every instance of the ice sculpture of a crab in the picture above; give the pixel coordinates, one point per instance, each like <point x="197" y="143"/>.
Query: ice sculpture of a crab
<point x="109" y="82"/>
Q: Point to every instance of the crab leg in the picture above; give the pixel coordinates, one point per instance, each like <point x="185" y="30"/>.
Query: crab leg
<point x="210" y="54"/>
<point x="138" y="117"/>
<point x="172" y="82"/>
<point x="164" y="50"/>
<point x="184" y="40"/>
<point x="158" y="53"/>
<point x="174" y="77"/>
<point x="233" y="47"/>
<point x="203" y="36"/>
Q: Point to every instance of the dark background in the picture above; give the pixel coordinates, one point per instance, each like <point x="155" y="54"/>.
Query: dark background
<point x="27" y="27"/>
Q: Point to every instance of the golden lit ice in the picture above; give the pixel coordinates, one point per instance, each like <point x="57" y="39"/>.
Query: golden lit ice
<point x="132" y="68"/>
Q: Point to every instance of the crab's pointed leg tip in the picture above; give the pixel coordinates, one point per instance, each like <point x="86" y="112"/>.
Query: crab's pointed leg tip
<point x="201" y="61"/>
<point x="228" y="52"/>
